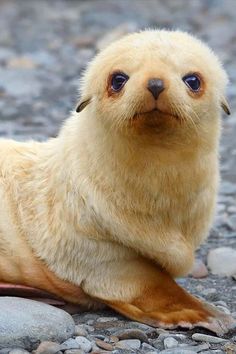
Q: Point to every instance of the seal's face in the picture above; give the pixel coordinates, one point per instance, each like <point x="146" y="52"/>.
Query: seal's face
<point x="155" y="80"/>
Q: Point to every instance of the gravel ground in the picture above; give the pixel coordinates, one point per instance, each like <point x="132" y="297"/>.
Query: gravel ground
<point x="44" y="45"/>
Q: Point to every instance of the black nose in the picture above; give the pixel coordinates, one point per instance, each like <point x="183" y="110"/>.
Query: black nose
<point x="155" y="86"/>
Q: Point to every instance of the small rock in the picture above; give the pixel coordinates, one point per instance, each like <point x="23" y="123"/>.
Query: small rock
<point x="18" y="351"/>
<point x="224" y="309"/>
<point x="232" y="209"/>
<point x="70" y="344"/>
<point x="114" y="339"/>
<point x="129" y="344"/>
<point x="84" y="343"/>
<point x="222" y="261"/>
<point x="80" y="331"/>
<point x="48" y="348"/>
<point x="228" y="188"/>
<point x="74" y="351"/>
<point x="141" y="326"/>
<point x="220" y="303"/>
<point x="177" y="351"/>
<point x="199" y="269"/>
<point x="146" y="346"/>
<point x="132" y="334"/>
<point x="200" y="337"/>
<point x="25" y="323"/>
<point x="196" y="348"/>
<point x="6" y="350"/>
<point x="230" y="348"/>
<point x="170" y="342"/>
<point x="107" y="319"/>
<point x="103" y="345"/>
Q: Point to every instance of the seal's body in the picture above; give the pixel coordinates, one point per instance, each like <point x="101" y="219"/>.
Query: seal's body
<point x="114" y="207"/>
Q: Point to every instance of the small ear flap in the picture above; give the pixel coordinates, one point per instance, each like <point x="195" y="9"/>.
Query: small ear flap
<point x="82" y="105"/>
<point x="225" y="106"/>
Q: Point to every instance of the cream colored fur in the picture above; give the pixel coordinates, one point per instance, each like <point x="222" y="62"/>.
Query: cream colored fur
<point x="112" y="191"/>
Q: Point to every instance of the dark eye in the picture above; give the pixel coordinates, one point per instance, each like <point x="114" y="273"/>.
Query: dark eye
<point x="192" y="81"/>
<point x="118" y="80"/>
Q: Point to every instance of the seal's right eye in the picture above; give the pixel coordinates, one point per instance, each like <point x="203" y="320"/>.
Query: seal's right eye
<point x="118" y="80"/>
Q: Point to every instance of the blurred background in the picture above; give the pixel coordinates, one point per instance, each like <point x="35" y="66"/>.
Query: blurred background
<point x="44" y="45"/>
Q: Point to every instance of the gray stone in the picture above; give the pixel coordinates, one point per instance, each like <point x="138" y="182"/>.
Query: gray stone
<point x="146" y="346"/>
<point x="227" y="188"/>
<point x="80" y="330"/>
<point x="25" y="323"/>
<point x="177" y="351"/>
<point x="18" y="351"/>
<point x="70" y="344"/>
<point x="170" y="342"/>
<point x="84" y="344"/>
<point x="107" y="319"/>
<point x="129" y="344"/>
<point x="224" y="309"/>
<point x="195" y="348"/>
<point x="200" y="337"/>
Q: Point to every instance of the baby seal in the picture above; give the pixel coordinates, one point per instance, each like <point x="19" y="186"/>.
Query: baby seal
<point x="112" y="209"/>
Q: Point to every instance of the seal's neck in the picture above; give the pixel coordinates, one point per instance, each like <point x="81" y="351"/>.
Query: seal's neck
<point x="92" y="149"/>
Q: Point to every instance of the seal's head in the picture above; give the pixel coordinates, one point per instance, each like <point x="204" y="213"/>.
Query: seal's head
<point x="155" y="81"/>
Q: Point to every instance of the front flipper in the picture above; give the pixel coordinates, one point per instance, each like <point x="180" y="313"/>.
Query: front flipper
<point x="145" y="293"/>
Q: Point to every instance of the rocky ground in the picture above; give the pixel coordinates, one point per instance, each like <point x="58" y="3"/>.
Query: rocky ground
<point x="44" y="46"/>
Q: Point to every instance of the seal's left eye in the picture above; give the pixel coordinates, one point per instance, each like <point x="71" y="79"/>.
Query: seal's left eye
<point x="118" y="80"/>
<point x="192" y="81"/>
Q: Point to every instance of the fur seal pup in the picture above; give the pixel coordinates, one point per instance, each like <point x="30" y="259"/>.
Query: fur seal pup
<point x="112" y="209"/>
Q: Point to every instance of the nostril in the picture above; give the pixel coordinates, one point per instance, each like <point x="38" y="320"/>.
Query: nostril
<point x="155" y="86"/>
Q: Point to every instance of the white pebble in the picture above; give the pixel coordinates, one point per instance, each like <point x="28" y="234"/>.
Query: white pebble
<point x="199" y="337"/>
<point x="222" y="261"/>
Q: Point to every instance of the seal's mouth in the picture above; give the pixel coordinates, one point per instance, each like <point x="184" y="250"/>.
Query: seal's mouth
<point x="156" y="111"/>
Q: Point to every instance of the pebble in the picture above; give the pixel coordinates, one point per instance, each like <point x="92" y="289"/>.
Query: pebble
<point x="199" y="269"/>
<point x="228" y="188"/>
<point x="232" y="209"/>
<point x="103" y="345"/>
<point x="200" y="337"/>
<point x="132" y="334"/>
<point x="73" y="351"/>
<point x="177" y="351"/>
<point x="48" y="348"/>
<point x="18" y="351"/>
<point x="80" y="331"/>
<point x="224" y="309"/>
<point x="84" y="343"/>
<point x="170" y="342"/>
<point x="146" y="346"/>
<point x="129" y="344"/>
<point x="222" y="261"/>
<point x="70" y="344"/>
<point x="196" y="348"/>
<point x="25" y="323"/>
<point x="107" y="319"/>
